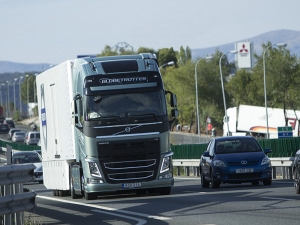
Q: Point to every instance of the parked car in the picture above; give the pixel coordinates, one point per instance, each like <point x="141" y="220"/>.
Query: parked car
<point x="11" y="132"/>
<point x="296" y="171"/>
<point x="4" y="128"/>
<point x="235" y="159"/>
<point x="9" y="122"/>
<point x="30" y="157"/>
<point x="18" y="136"/>
<point x="32" y="138"/>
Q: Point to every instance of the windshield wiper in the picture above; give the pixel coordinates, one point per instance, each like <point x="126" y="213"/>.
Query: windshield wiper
<point x="115" y="118"/>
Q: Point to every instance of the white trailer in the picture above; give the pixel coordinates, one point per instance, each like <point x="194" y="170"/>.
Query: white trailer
<point x="251" y="120"/>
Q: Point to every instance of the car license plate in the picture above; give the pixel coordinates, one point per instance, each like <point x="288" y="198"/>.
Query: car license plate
<point x="132" y="185"/>
<point x="248" y="170"/>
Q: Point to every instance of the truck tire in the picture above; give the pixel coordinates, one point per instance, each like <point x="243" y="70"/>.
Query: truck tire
<point x="72" y="191"/>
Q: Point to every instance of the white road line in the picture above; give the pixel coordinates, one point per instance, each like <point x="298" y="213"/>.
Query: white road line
<point x="106" y="208"/>
<point x="140" y="221"/>
<point x="278" y="198"/>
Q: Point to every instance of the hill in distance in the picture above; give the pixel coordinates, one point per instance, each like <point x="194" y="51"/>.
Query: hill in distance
<point x="291" y="38"/>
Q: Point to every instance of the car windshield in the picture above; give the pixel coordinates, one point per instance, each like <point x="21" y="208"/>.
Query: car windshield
<point x="237" y="146"/>
<point x="26" y="158"/>
<point x="123" y="105"/>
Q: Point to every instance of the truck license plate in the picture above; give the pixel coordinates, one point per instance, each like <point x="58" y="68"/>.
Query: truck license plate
<point x="249" y="170"/>
<point x="132" y="185"/>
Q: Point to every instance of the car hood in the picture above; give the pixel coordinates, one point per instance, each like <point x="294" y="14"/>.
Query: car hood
<point x="38" y="167"/>
<point x="248" y="156"/>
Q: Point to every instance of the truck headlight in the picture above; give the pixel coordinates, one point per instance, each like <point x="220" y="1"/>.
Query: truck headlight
<point x="94" y="169"/>
<point x="165" y="166"/>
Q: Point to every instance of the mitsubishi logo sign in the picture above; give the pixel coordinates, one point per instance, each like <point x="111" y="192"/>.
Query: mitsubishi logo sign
<point x="243" y="49"/>
<point x="244" y="57"/>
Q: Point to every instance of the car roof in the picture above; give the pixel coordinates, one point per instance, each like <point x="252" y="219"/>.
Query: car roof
<point x="229" y="138"/>
<point x="24" y="153"/>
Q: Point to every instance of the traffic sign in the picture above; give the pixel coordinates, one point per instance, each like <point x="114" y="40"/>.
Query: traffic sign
<point x="284" y="132"/>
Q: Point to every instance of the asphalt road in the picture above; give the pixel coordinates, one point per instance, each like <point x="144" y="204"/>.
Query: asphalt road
<point x="188" y="204"/>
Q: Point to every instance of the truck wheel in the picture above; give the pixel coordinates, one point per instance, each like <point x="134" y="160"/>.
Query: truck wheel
<point x="72" y="191"/>
<point x="164" y="191"/>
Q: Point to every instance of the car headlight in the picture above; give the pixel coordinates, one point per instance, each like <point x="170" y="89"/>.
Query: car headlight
<point x="165" y="166"/>
<point x="94" y="169"/>
<point x="265" y="160"/>
<point x="219" y="163"/>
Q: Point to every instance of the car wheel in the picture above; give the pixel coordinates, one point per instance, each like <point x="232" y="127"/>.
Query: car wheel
<point x="204" y="183"/>
<point x="255" y="183"/>
<point x="267" y="181"/>
<point x="214" y="184"/>
<point x="297" y="185"/>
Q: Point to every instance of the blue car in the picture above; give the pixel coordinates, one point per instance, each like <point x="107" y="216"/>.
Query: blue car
<point x="235" y="160"/>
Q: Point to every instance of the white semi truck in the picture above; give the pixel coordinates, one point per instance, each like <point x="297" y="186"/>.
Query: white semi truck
<point x="251" y="120"/>
<point x="105" y="126"/>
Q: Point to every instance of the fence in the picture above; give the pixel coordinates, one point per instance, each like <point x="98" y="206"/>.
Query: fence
<point x="13" y="200"/>
<point x="283" y="151"/>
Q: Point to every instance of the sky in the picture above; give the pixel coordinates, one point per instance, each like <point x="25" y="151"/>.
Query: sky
<point x="53" y="31"/>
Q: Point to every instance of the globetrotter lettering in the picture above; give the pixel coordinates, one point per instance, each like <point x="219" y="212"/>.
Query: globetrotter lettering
<point x="122" y="80"/>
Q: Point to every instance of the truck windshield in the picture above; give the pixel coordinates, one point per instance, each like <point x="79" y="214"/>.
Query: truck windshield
<point x="123" y="105"/>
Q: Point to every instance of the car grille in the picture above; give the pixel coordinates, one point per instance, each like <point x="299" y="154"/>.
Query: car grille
<point x="238" y="163"/>
<point x="132" y="161"/>
<point x="244" y="175"/>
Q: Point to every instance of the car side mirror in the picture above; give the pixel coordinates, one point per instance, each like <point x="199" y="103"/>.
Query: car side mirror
<point x="206" y="154"/>
<point x="267" y="150"/>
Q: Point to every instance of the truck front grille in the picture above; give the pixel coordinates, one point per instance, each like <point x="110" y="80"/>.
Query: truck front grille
<point x="124" y="162"/>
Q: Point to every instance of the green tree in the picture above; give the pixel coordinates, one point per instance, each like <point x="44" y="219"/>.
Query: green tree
<point x="166" y="55"/>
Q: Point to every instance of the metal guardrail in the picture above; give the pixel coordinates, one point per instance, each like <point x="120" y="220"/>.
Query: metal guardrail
<point x="13" y="200"/>
<point x="282" y="166"/>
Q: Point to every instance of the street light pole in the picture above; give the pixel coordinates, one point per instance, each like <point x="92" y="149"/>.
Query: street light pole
<point x="15" y="94"/>
<point x="20" y="95"/>
<point x="7" y="89"/>
<point x="197" y="106"/>
<point x="1" y="95"/>
<point x="34" y="91"/>
<point x="167" y="64"/>
<point x="265" y="85"/>
<point x="225" y="108"/>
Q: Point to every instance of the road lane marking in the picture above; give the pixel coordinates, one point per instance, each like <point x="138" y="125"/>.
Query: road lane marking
<point x="140" y="221"/>
<point x="278" y="198"/>
<point x="106" y="208"/>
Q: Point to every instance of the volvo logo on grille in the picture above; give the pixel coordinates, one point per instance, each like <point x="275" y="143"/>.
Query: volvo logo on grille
<point x="127" y="129"/>
<point x="244" y="162"/>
